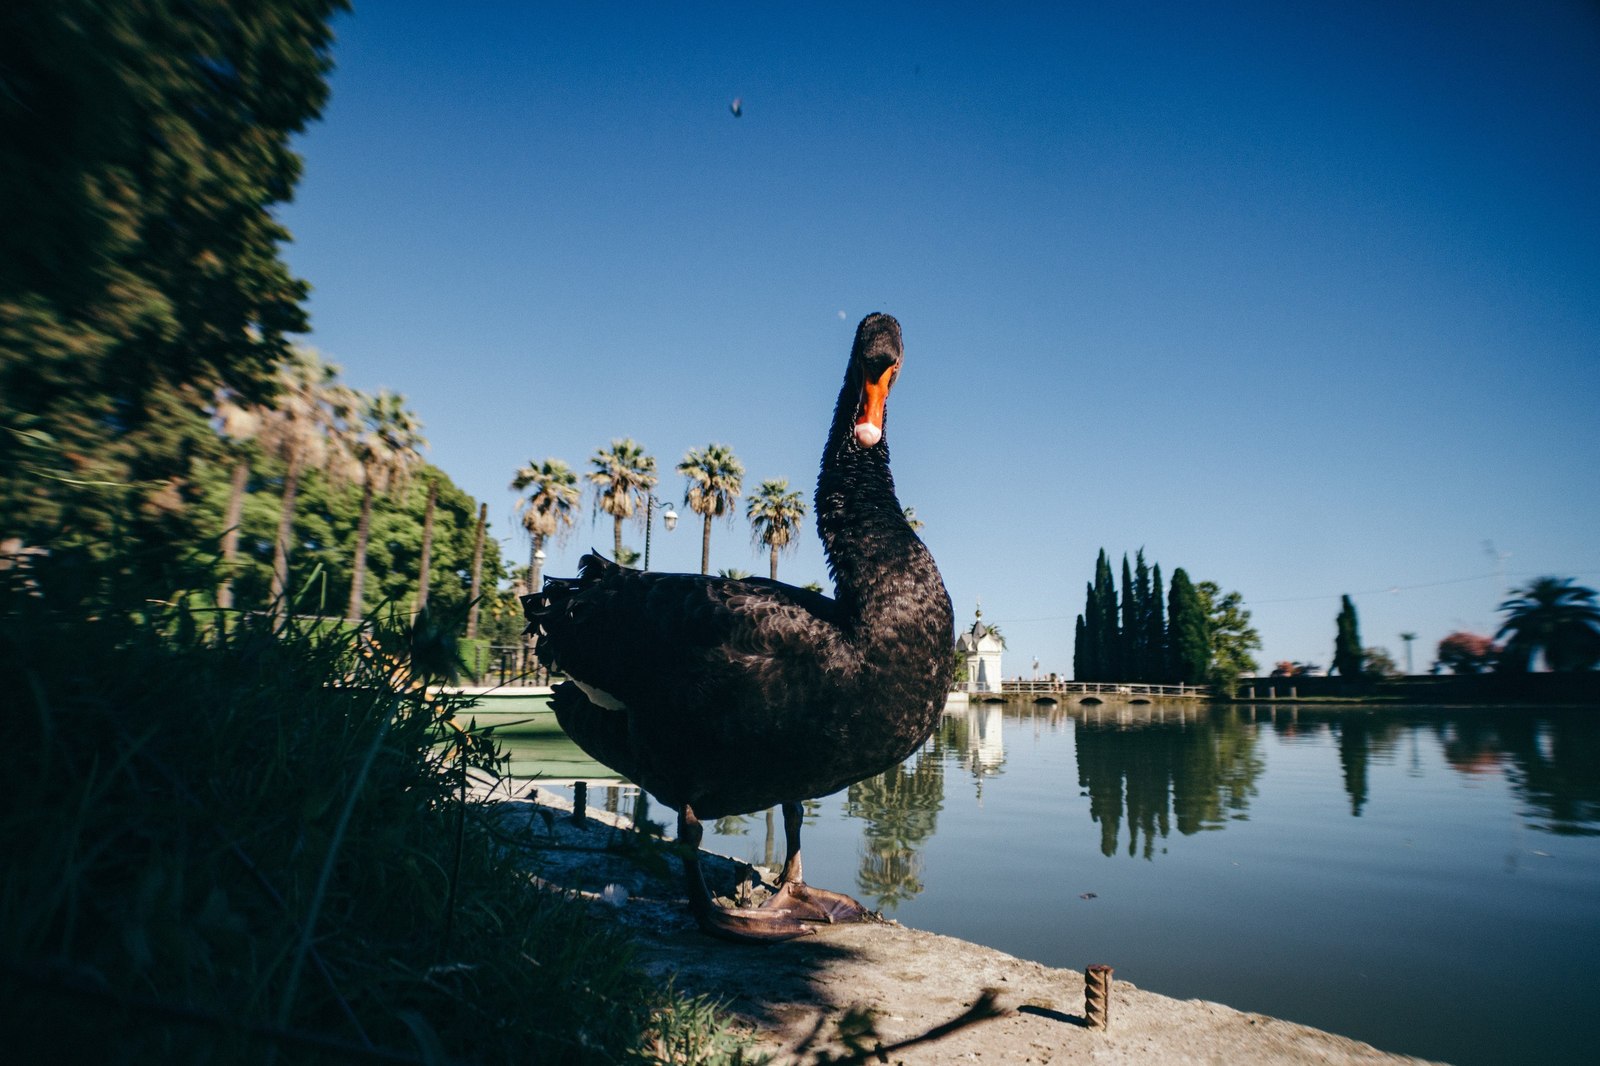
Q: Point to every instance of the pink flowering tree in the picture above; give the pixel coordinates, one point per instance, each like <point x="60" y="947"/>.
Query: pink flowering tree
<point x="1467" y="653"/>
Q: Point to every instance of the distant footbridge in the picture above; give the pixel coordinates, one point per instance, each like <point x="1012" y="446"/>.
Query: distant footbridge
<point x="1104" y="689"/>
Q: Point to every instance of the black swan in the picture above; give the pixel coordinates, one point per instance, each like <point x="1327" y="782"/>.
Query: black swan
<point x="723" y="696"/>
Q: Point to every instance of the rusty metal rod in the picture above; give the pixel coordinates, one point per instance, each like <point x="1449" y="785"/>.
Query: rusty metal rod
<point x="1097" y="996"/>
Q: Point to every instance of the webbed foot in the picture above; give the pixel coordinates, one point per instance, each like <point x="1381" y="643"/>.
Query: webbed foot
<point x="752" y="925"/>
<point x="815" y="904"/>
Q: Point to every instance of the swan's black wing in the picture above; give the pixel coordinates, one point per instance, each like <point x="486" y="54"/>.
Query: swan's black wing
<point x="695" y="687"/>
<point x="643" y="638"/>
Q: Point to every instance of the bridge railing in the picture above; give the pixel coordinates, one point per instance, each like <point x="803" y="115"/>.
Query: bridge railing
<point x="1109" y="688"/>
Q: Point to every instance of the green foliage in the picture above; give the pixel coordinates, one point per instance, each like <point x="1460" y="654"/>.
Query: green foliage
<point x="325" y="535"/>
<point x="623" y="477"/>
<point x="146" y="146"/>
<point x="1377" y="662"/>
<point x="1188" y="642"/>
<point x="547" y="508"/>
<point x="715" y="478"/>
<point x="1139" y="638"/>
<point x="1232" y="638"/>
<point x="775" y="512"/>
<point x="1347" y="651"/>
<point x="1155" y="643"/>
<point x="1130" y="639"/>
<point x="225" y="841"/>
<point x="1107" y="640"/>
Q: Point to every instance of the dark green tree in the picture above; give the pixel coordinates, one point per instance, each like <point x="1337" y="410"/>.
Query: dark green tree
<point x="1348" y="654"/>
<point x="145" y="147"/>
<point x="1188" y="644"/>
<point x="325" y="532"/>
<point x="1155" y="641"/>
<point x="1231" y="636"/>
<point x="1140" y="670"/>
<point x="1128" y="642"/>
<point x="1089" y="666"/>
<point x="1553" y="615"/>
<point x="1107" y="639"/>
<point x="1080" y="645"/>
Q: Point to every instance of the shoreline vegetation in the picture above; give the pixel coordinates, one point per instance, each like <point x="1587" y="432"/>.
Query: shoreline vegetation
<point x="244" y="838"/>
<point x="238" y="844"/>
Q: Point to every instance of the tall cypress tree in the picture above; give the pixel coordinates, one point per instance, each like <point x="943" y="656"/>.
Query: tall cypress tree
<point x="1091" y="640"/>
<point x="1189" y="644"/>
<point x="1080" y="651"/>
<point x="1347" y="654"/>
<point x="1129" y="644"/>
<point x="1141" y="643"/>
<point x="1155" y="644"/>
<point x="1106" y="636"/>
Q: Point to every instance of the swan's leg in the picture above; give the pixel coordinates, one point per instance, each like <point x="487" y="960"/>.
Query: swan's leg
<point x="766" y="925"/>
<point x="798" y="898"/>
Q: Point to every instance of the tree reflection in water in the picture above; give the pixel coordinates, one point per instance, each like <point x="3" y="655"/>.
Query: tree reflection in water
<point x="1547" y="755"/>
<point x="1154" y="769"/>
<point x="901" y="808"/>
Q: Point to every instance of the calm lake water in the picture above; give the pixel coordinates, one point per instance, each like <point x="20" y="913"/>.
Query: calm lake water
<point x="1424" y="879"/>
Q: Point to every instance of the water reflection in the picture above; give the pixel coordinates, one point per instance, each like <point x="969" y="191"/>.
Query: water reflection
<point x="1550" y="760"/>
<point x="1149" y="770"/>
<point x="1548" y="756"/>
<point x="1190" y="769"/>
<point x="901" y="810"/>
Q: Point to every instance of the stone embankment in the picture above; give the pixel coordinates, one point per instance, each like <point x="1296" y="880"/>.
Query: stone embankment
<point x="789" y="995"/>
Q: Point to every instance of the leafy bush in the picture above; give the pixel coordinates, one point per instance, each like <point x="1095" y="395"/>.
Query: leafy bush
<point x="228" y="844"/>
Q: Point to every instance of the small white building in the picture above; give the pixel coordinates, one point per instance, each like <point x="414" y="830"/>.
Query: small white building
<point x="980" y="646"/>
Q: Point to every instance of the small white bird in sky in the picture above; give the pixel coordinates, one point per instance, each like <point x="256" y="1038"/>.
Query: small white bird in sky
<point x="737" y="107"/>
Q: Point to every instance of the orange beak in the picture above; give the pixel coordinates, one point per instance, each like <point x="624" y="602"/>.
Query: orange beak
<point x="869" y="427"/>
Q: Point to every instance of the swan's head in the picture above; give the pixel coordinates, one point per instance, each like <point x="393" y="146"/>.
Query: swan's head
<point x="876" y="359"/>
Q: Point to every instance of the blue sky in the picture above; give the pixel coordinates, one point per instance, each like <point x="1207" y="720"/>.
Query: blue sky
<point x="1302" y="298"/>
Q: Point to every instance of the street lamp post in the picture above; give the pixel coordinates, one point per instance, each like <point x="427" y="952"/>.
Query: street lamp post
<point x="530" y="641"/>
<point x="669" y="517"/>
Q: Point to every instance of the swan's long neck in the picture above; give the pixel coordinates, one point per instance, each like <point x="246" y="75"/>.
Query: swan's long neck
<point x="879" y="565"/>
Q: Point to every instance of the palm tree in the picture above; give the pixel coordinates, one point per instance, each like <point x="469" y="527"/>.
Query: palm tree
<point x="388" y="448"/>
<point x="715" y="478"/>
<point x="624" y="476"/>
<point x="425" y="563"/>
<point x="912" y="520"/>
<point x="1554" y="615"/>
<point x="237" y="422"/>
<point x="307" y="426"/>
<point x="775" y="512"/>
<point x="548" y="509"/>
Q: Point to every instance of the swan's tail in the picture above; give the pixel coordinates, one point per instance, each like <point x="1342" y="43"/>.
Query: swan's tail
<point x="551" y="603"/>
